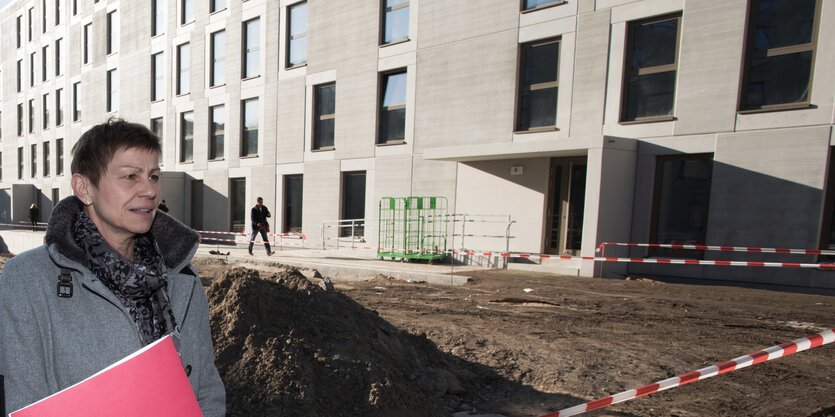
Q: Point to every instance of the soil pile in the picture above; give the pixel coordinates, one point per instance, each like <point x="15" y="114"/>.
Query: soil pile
<point x="286" y="347"/>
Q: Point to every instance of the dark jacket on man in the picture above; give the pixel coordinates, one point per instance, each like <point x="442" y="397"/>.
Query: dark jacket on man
<point x="258" y="216"/>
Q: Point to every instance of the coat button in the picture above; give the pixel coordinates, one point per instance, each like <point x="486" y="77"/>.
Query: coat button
<point x="188" y="370"/>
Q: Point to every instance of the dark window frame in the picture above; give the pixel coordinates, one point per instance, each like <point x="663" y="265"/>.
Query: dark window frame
<point x="247" y="49"/>
<point x="319" y="117"/>
<point x="186" y="139"/>
<point x="183" y="87"/>
<point x="382" y="83"/>
<point x="522" y="87"/>
<point x="384" y="22"/>
<point x="751" y="54"/>
<point x="157" y="76"/>
<point x="215" y="60"/>
<point x="59" y="156"/>
<point x="289" y="37"/>
<point x="216" y="153"/>
<point x="244" y="151"/>
<point x="658" y="69"/>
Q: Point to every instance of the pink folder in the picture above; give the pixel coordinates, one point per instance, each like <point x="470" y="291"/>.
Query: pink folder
<point x="148" y="382"/>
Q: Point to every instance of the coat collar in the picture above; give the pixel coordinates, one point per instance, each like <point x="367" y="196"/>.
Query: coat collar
<point x="176" y="241"/>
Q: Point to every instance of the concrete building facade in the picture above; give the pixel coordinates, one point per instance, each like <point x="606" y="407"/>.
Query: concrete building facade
<point x="657" y="121"/>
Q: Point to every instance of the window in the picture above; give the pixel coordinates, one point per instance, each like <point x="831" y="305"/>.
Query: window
<point x="19" y="31"/>
<point x="58" y="12"/>
<point x="33" y="163"/>
<point x="31" y="23"/>
<point x="76" y="101"/>
<point x="183" y="69"/>
<point x="324" y="107"/>
<point x="74" y="7"/>
<point x="58" y="63"/>
<point x="237" y="203"/>
<point x="20" y="163"/>
<point x="187" y="136"/>
<point x="88" y="43"/>
<point x="650" y="69"/>
<point x="31" y="115"/>
<point x="32" y="69"/>
<point x="19" y="75"/>
<point x="44" y="62"/>
<point x="217" y="5"/>
<point x="217" y="131"/>
<point x="293" y="187"/>
<point x="46" y="159"/>
<point x="158" y="17"/>
<point x="680" y="203"/>
<point x="59" y="107"/>
<point x="218" y="58"/>
<point x="353" y="202"/>
<point x="112" y="90"/>
<point x="59" y="156"/>
<point x="112" y="33"/>
<point x="297" y="35"/>
<point x="1" y="166"/>
<point x="395" y="21"/>
<point x="45" y="112"/>
<point x="780" y="54"/>
<point x="535" y="4"/>
<point x="187" y="11"/>
<point x="20" y="119"/>
<point x="156" y="127"/>
<point x="249" y="130"/>
<point x="157" y="77"/>
<point x="392" y="116"/>
<point x="43" y="16"/>
<point x="252" y="39"/>
<point x="538" y="85"/>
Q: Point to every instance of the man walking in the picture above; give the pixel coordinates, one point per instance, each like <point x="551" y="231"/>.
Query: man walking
<point x="258" y="216"/>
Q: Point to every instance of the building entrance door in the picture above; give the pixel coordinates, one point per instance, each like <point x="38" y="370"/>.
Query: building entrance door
<point x="566" y="204"/>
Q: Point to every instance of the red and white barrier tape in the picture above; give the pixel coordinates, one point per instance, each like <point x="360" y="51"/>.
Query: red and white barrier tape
<point x="600" y="249"/>
<point x="764" y="355"/>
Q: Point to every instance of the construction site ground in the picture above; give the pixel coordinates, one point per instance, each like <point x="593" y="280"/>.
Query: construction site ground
<point x="528" y="344"/>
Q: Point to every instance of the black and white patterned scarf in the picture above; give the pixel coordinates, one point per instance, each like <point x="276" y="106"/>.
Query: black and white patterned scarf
<point x="140" y="285"/>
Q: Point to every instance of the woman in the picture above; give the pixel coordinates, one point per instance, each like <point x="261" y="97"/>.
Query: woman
<point x="122" y="273"/>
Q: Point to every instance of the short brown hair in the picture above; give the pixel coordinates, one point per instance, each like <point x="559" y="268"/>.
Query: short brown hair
<point x="96" y="147"/>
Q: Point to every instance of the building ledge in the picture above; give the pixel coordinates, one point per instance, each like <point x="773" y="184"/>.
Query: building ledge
<point x="528" y="149"/>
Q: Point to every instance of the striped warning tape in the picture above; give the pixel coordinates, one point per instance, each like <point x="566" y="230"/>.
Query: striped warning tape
<point x="600" y="249"/>
<point x="764" y="355"/>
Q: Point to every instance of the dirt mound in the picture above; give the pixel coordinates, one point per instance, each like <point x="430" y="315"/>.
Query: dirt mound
<point x="286" y="347"/>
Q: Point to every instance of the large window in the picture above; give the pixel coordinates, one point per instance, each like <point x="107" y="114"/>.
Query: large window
<point x="20" y="119"/>
<point x="187" y="136"/>
<point x="112" y="90"/>
<point x="157" y="77"/>
<point x="33" y="160"/>
<point x="249" y="127"/>
<point x="59" y="107"/>
<point x="31" y="115"/>
<point x="46" y="159"/>
<point x="216" y="5"/>
<point x="217" y="131"/>
<point x="218" y="58"/>
<point x="297" y="35"/>
<point x="538" y="85"/>
<point x="88" y="43"/>
<point x="156" y="127"/>
<point x="392" y="114"/>
<point x="58" y="12"/>
<point x="183" y="69"/>
<point x="293" y="197"/>
<point x="324" y="105"/>
<point x="186" y="11"/>
<point x="158" y="17"/>
<point x="32" y="69"/>
<point x="681" y="199"/>
<point x="45" y="112"/>
<point x="237" y="204"/>
<point x="112" y="33"/>
<point x="59" y="69"/>
<point x="19" y="75"/>
<point x="353" y="202"/>
<point x="43" y="16"/>
<point x="44" y="62"/>
<point x="20" y="163"/>
<point x="395" y="20"/>
<point x="780" y="54"/>
<point x="31" y="13"/>
<point x="535" y="4"/>
<point x="19" y="31"/>
<point x="59" y="156"/>
<point x="650" y="70"/>
<point x="252" y="45"/>
<point x="76" y="101"/>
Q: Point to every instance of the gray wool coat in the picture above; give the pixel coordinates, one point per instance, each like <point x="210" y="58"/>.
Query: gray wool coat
<point x="48" y="343"/>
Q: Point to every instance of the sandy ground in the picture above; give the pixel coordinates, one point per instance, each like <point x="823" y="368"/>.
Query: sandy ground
<point x="526" y="344"/>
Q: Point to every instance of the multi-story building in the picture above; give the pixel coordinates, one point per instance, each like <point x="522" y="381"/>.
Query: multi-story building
<point x="658" y="121"/>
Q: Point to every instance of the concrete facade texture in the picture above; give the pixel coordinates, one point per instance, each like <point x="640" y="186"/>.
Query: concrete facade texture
<point x="461" y="140"/>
